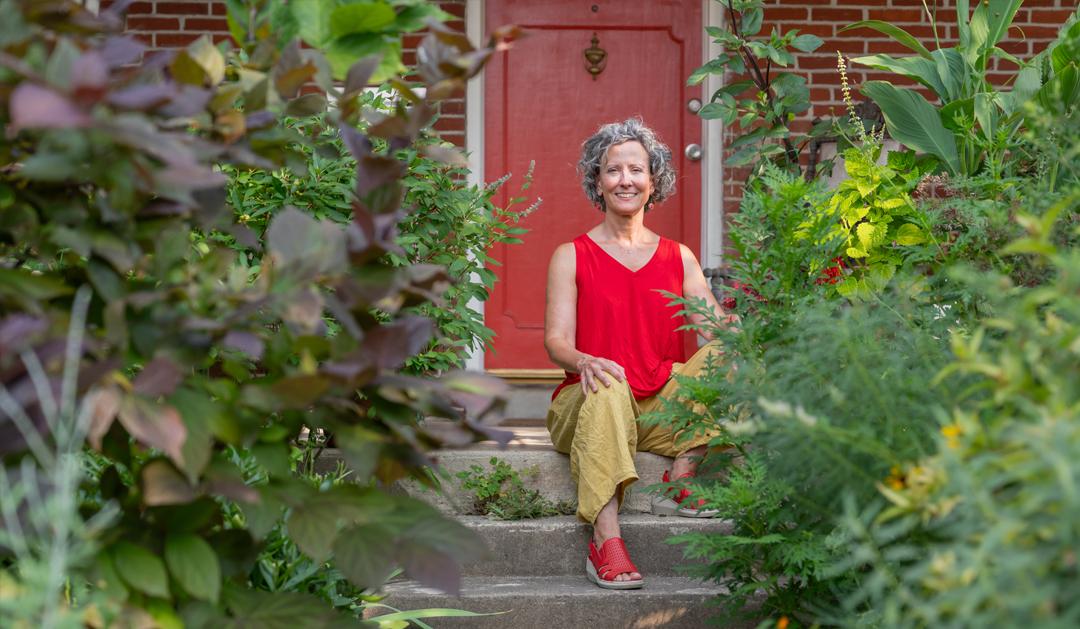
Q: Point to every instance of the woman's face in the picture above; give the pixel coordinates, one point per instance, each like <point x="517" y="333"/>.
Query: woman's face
<point x="625" y="181"/>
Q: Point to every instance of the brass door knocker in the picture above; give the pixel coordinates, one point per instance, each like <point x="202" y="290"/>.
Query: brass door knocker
<point x="595" y="57"/>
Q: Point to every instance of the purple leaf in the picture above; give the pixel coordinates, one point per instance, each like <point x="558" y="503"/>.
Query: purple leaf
<point x="159" y="377"/>
<point x="18" y="331"/>
<point x="89" y="75"/>
<point x="120" y="51"/>
<point x="163" y="485"/>
<point x="245" y="342"/>
<point x="393" y="343"/>
<point x="37" y="107"/>
<point x="356" y="142"/>
<point x="360" y="72"/>
<point x="142" y="97"/>
<point x="156" y="425"/>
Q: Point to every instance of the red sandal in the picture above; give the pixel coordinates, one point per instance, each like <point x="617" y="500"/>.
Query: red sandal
<point x="610" y="561"/>
<point x="672" y="503"/>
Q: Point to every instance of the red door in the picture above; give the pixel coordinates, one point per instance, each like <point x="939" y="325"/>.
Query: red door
<point x="541" y="102"/>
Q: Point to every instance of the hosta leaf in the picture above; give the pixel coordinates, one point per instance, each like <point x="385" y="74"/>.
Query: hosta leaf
<point x="194" y="565"/>
<point x="140" y="569"/>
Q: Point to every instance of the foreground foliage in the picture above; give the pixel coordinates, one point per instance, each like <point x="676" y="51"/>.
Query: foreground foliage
<point x="111" y="198"/>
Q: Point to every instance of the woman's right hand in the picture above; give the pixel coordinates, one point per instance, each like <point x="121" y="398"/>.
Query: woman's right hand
<point x="593" y="369"/>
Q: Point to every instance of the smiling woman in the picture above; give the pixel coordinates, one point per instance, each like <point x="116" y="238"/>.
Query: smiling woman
<point x="609" y="325"/>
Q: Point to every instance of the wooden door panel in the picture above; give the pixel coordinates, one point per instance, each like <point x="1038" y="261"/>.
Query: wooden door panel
<point x="540" y="103"/>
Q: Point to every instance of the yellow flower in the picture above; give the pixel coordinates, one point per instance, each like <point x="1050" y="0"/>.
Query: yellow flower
<point x="782" y="623"/>
<point x="952" y="434"/>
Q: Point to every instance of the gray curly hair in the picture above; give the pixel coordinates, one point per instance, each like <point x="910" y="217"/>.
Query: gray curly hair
<point x="595" y="148"/>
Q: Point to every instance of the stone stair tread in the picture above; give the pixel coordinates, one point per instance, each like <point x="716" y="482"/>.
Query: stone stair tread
<point x="577" y="586"/>
<point x="566" y="601"/>
<point x="557" y="545"/>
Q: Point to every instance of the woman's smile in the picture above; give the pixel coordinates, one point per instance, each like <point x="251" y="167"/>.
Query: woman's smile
<point x="625" y="180"/>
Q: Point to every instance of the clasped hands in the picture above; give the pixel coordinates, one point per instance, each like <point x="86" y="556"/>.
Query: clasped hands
<point x="594" y="368"/>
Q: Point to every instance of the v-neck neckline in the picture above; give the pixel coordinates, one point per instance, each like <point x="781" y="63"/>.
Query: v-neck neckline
<point x="616" y="260"/>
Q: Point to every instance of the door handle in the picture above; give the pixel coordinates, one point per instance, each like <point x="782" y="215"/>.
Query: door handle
<point x="693" y="152"/>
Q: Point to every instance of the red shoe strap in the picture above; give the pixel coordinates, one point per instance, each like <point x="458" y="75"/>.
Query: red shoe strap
<point x="612" y="559"/>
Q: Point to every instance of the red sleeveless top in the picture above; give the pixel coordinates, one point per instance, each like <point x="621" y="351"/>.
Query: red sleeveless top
<point x="622" y="316"/>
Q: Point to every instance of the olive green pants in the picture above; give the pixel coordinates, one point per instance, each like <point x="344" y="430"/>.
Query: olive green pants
<point x="600" y="432"/>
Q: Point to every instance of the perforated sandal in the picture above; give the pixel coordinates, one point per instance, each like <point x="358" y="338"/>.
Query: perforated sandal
<point x="604" y="565"/>
<point x="671" y="503"/>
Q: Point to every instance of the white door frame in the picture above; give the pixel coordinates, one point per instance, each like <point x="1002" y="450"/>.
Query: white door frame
<point x="712" y="131"/>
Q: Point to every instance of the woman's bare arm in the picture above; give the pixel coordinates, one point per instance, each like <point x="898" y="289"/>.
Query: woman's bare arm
<point x="560" y="325"/>
<point x="695" y="285"/>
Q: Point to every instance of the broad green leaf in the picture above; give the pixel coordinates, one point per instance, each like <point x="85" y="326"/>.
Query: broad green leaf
<point x="921" y="69"/>
<point x="194" y="565"/>
<point x="361" y="17"/>
<point x="750" y="23"/>
<point x="313" y="19"/>
<point x="807" y="42"/>
<point x="909" y="234"/>
<point x="343" y="52"/>
<point x="953" y="72"/>
<point x="865" y="233"/>
<point x="914" y="122"/>
<point x="140" y="569"/>
<point x="986" y="113"/>
<point x="900" y="35"/>
<point x="990" y="22"/>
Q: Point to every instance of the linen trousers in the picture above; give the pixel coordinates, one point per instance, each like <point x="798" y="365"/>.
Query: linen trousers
<point x="600" y="431"/>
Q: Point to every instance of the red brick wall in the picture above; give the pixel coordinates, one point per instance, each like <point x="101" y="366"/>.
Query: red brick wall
<point x="1035" y="26"/>
<point x="171" y="23"/>
<point x="163" y="24"/>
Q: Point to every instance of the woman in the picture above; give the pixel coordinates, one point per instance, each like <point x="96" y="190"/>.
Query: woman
<point x="617" y="337"/>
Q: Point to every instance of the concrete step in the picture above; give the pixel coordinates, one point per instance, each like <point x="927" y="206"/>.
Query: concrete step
<point x="527" y="403"/>
<point x="569" y="601"/>
<point x="558" y="545"/>
<point x="533" y="456"/>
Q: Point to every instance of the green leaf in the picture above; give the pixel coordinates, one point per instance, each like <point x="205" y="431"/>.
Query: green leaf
<point x="898" y="34"/>
<point x="361" y="17"/>
<point x="313" y="19"/>
<point x="909" y="234"/>
<point x="807" y="42"/>
<point x="750" y="23"/>
<point x="914" y="122"/>
<point x="20" y="283"/>
<point x="921" y="69"/>
<point x="194" y="565"/>
<point x="140" y="569"/>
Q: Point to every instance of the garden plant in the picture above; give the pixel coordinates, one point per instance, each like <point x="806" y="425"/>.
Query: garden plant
<point x="192" y="348"/>
<point x="899" y="442"/>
